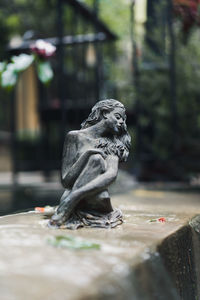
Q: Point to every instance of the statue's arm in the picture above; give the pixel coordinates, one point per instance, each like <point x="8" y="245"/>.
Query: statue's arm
<point x="100" y="182"/>
<point x="93" y="187"/>
<point x="71" y="169"/>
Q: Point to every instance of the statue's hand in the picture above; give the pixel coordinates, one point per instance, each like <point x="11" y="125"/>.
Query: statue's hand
<point x="97" y="151"/>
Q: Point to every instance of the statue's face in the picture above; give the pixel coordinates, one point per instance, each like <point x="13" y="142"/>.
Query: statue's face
<point x="115" y="120"/>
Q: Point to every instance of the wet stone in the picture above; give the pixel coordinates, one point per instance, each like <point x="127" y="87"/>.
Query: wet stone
<point x="128" y="262"/>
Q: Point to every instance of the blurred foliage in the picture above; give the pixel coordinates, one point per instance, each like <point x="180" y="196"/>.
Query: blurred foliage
<point x="153" y="93"/>
<point x="188" y="11"/>
<point x="156" y="118"/>
<point x="115" y="13"/>
<point x="22" y="16"/>
<point x="9" y="73"/>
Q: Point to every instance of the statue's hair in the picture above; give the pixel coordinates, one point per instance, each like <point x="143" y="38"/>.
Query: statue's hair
<point x="120" y="145"/>
<point x="97" y="111"/>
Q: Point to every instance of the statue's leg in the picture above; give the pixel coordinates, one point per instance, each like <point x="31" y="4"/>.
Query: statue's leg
<point x="95" y="166"/>
<point x="64" y="195"/>
<point x="101" y="201"/>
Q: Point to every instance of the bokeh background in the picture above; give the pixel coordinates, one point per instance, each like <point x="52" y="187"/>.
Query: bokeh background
<point x="145" y="53"/>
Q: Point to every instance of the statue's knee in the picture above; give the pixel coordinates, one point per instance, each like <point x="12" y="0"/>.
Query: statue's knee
<point x="97" y="160"/>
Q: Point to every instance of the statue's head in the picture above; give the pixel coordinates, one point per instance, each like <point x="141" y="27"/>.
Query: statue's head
<point x="106" y="109"/>
<point x="112" y="112"/>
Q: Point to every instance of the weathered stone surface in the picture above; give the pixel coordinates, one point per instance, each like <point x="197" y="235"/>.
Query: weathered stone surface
<point x="133" y="262"/>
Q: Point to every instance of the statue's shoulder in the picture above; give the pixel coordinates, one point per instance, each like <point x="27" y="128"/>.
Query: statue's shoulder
<point x="73" y="134"/>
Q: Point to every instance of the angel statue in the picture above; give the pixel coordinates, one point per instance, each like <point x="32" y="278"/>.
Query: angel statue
<point x="90" y="162"/>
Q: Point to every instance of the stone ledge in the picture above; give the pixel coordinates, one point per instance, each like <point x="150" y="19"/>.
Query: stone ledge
<point x="138" y="260"/>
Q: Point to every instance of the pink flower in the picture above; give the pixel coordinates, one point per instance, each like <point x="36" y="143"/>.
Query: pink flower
<point x="162" y="220"/>
<point x="189" y="12"/>
<point x="159" y="220"/>
<point x="43" y="49"/>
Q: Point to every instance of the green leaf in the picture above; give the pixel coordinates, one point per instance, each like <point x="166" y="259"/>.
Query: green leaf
<point x="72" y="243"/>
<point x="45" y="72"/>
<point x="153" y="220"/>
<point x="9" y="77"/>
<point x="22" y="61"/>
<point x="2" y="66"/>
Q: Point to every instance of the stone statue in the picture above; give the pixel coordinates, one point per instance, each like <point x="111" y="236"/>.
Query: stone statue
<point x="90" y="164"/>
